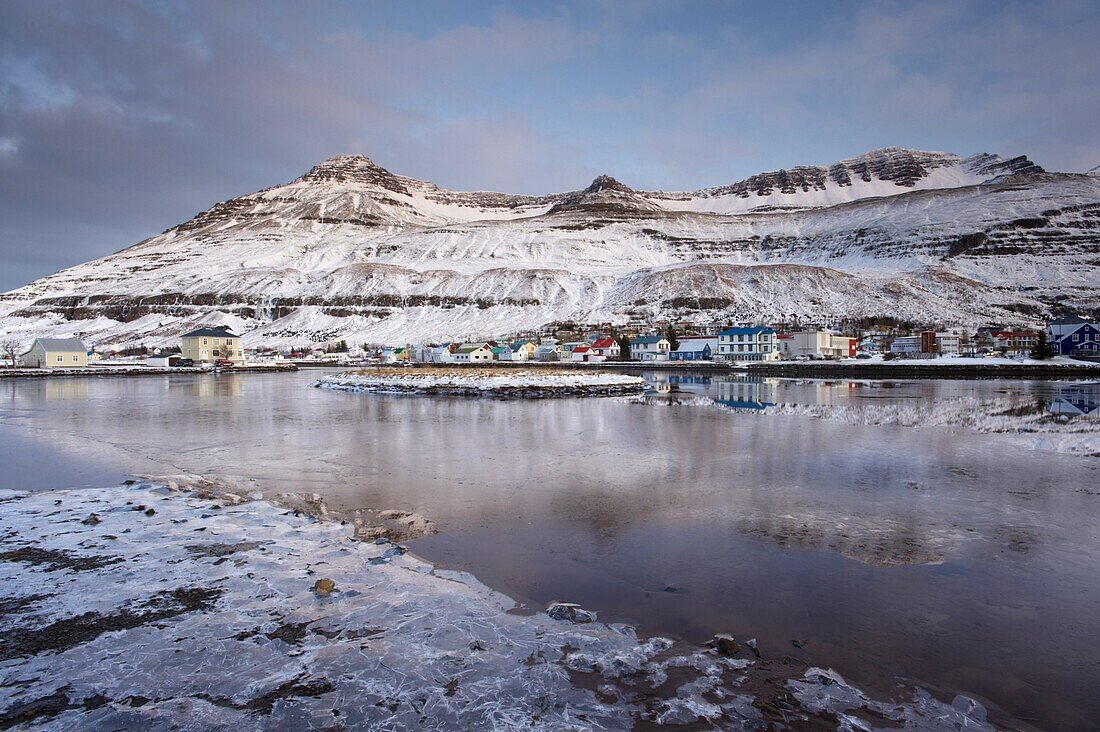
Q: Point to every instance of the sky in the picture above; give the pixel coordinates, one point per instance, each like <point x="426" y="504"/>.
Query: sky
<point x="121" y="119"/>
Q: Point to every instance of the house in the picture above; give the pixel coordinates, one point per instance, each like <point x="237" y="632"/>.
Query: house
<point x="606" y="347"/>
<point x="649" y="348"/>
<point x="1064" y="326"/>
<point x="1082" y="340"/>
<point x="815" y="344"/>
<point x="501" y="353"/>
<point x="519" y="351"/>
<point x="473" y="353"/>
<point x="747" y="344"/>
<point x="581" y="353"/>
<point x="56" y="353"/>
<point x="695" y="348"/>
<point x="207" y="345"/>
<point x="906" y="346"/>
<point x="547" y="352"/>
<point x="566" y="349"/>
<point x="926" y="343"/>
<point x="1015" y="342"/>
<point x="162" y="360"/>
<point x="692" y="351"/>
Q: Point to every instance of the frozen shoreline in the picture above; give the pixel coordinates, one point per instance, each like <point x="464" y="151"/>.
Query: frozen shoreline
<point x="197" y="613"/>
<point x="478" y="383"/>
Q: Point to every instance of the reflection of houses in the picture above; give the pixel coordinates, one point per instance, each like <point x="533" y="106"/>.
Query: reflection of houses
<point x="56" y="353"/>
<point x="1076" y="400"/>
<point x="746" y="392"/>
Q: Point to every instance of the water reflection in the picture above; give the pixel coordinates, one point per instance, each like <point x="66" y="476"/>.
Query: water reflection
<point x="939" y="552"/>
<point x="1076" y="400"/>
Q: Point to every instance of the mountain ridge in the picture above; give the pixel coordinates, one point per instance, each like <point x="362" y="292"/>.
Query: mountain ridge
<point x="350" y="250"/>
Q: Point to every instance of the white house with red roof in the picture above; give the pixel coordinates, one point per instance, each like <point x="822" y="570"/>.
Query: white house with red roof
<point x="606" y="347"/>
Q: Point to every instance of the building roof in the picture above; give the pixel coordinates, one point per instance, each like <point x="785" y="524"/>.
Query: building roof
<point x="1076" y="330"/>
<point x="1069" y="320"/>
<point x="211" y="332"/>
<point x="603" y="343"/>
<point x="61" y="344"/>
<point x="581" y="349"/>
<point x="645" y="340"/>
<point x="746" y="331"/>
<point x="498" y="350"/>
<point x="689" y="347"/>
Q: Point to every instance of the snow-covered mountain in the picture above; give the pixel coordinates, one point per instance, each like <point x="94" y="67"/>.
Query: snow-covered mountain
<point x="351" y="250"/>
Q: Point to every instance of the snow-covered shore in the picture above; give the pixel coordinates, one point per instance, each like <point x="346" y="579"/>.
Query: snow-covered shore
<point x="487" y="382"/>
<point x="134" y="606"/>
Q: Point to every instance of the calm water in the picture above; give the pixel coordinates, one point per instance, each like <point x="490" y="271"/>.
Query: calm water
<point x="964" y="560"/>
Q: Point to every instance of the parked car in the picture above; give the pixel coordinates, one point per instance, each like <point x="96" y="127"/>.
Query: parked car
<point x="223" y="363"/>
<point x="184" y="363"/>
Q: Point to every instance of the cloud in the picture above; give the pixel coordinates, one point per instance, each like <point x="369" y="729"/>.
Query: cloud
<point x="120" y="119"/>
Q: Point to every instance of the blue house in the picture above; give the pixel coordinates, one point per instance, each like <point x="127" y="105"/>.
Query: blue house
<point x="1081" y="340"/>
<point x="691" y="352"/>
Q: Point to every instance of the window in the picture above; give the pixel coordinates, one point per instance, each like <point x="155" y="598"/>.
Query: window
<point x="75" y="358"/>
<point x="1075" y="337"/>
<point x="204" y="341"/>
<point x="60" y="359"/>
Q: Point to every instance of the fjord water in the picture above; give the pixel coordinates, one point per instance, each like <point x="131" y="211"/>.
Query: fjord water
<point x="967" y="561"/>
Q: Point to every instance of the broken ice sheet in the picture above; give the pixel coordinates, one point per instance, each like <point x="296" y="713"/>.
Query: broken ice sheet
<point x="221" y="628"/>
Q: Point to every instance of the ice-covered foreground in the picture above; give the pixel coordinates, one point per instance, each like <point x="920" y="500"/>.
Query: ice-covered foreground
<point x="128" y="608"/>
<point x="513" y="383"/>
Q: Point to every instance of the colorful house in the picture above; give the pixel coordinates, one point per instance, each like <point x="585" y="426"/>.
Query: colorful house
<point x="696" y="348"/>
<point x="56" y="353"/>
<point x="209" y="345"/>
<point x="1083" y="340"/>
<point x="649" y="348"/>
<point x="606" y="347"/>
<point x="473" y="353"/>
<point x="747" y="344"/>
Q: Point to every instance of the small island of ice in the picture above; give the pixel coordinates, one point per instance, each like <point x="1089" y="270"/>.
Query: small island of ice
<point x="485" y="382"/>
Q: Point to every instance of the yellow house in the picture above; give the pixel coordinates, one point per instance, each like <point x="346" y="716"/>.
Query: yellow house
<point x="56" y="353"/>
<point x="209" y="345"/>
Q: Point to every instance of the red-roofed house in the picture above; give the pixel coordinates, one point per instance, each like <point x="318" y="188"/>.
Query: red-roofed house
<point x="606" y="347"/>
<point x="1015" y="342"/>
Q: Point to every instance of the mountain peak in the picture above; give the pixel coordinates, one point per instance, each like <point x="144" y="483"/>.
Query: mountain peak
<point x="354" y="169"/>
<point x="607" y="183"/>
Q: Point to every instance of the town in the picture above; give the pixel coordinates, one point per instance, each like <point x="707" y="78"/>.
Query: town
<point x="681" y="343"/>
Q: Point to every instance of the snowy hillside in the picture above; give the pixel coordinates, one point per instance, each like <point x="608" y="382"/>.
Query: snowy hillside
<point x="351" y="250"/>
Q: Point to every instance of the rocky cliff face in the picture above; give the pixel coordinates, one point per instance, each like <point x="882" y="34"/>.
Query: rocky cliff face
<point x="351" y="250"/>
